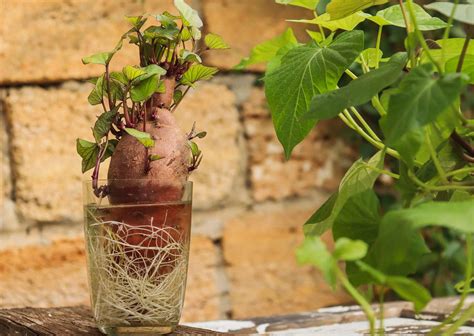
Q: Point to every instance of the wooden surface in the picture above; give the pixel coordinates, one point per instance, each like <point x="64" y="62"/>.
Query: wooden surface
<point x="62" y="321"/>
<point x="400" y="319"/>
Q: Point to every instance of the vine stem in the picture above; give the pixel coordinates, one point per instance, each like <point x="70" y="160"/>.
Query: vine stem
<point x="107" y="79"/>
<point x="381" y="311"/>
<point x="366" y="307"/>
<point x="463" y="54"/>
<point x="377" y="45"/>
<point x="425" y="186"/>
<point x="448" y="28"/>
<point x="321" y="29"/>
<point x="466" y="316"/>
<point x="365" y="124"/>
<point x="384" y="171"/>
<point x="409" y="28"/>
<point x="464" y="294"/>
<point x="379" y="145"/>
<point x="434" y="157"/>
<point x="460" y="171"/>
<point x="421" y="38"/>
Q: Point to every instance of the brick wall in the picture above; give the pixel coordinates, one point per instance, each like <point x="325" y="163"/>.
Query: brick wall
<point x="249" y="203"/>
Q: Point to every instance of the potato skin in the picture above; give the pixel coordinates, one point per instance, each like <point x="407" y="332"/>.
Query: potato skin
<point x="166" y="177"/>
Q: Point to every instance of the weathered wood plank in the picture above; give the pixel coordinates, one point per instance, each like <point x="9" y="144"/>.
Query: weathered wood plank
<point x="400" y="319"/>
<point x="332" y="319"/>
<point x="62" y="321"/>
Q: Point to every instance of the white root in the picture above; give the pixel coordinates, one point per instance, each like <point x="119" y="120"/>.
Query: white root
<point x="136" y="284"/>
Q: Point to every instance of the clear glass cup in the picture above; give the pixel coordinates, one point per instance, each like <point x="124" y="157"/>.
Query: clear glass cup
<point x="137" y="255"/>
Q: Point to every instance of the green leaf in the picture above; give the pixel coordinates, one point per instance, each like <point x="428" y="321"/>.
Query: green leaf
<point x="103" y="124"/>
<point x="371" y="56"/>
<point x="189" y="15"/>
<point x="214" y="41"/>
<point x="267" y="50"/>
<point x="186" y="34"/>
<point x="88" y="152"/>
<point x="401" y="256"/>
<point x="313" y="251"/>
<point x="201" y="135"/>
<point x="315" y="36"/>
<point x="104" y="58"/>
<point x="421" y="99"/>
<point x="349" y="250"/>
<point x="453" y="215"/>
<point x="99" y="58"/>
<point x="304" y="72"/>
<point x="188" y="56"/>
<point x="94" y="98"/>
<point x="152" y="70"/>
<point x="357" y="92"/>
<point x="144" y="138"/>
<point x="111" y="145"/>
<point x="339" y="9"/>
<point x="346" y="23"/>
<point x="464" y="12"/>
<point x="145" y="89"/>
<point x="410" y="290"/>
<point x="119" y="77"/>
<point x="467" y="67"/>
<point x="198" y="72"/>
<point x="394" y="16"/>
<point x="167" y="19"/>
<point x="156" y="32"/>
<point x="359" y="218"/>
<point x="196" y="33"/>
<point x="136" y="21"/>
<point x="450" y="48"/>
<point x="194" y="148"/>
<point x="133" y="72"/>
<point x="359" y="178"/>
<point x="398" y="256"/>
<point x="308" y="4"/>
<point x="177" y="96"/>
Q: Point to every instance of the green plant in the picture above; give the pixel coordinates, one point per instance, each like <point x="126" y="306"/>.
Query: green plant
<point x="417" y="95"/>
<point x="137" y="128"/>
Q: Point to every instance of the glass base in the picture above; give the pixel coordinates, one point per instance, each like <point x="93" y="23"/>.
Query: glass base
<point x="137" y="331"/>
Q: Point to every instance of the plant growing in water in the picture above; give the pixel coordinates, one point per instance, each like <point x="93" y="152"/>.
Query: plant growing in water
<point x="424" y="141"/>
<point x="137" y="223"/>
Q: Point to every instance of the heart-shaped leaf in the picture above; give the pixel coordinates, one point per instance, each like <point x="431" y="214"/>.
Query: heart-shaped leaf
<point x="394" y="16"/>
<point x="347" y="23"/>
<point x="145" y="89"/>
<point x="304" y="72"/>
<point x="339" y="9"/>
<point x="267" y="50"/>
<point x="143" y="137"/>
<point x="214" y="41"/>
<point x="198" y="72"/>
<point x="464" y="12"/>
<point x="189" y="15"/>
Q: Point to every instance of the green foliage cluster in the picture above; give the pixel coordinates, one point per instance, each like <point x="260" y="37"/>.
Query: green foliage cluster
<point x="417" y="95"/>
<point x="169" y="48"/>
